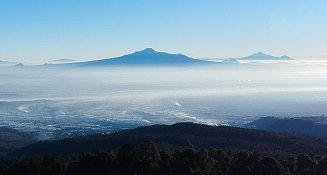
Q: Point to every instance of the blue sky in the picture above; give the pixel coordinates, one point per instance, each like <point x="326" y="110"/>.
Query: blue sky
<point x="42" y="30"/>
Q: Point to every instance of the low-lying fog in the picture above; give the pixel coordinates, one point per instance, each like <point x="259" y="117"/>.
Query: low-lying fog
<point x="56" y="103"/>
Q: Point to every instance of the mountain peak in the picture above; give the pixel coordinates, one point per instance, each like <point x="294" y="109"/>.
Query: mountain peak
<point x="19" y="65"/>
<point x="259" y="54"/>
<point x="147" y="50"/>
<point x="230" y="61"/>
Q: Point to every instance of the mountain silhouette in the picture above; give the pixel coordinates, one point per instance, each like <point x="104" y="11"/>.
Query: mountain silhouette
<point x="262" y="56"/>
<point x="145" y="57"/>
<point x="19" y="65"/>
<point x="2" y="62"/>
<point x="230" y="61"/>
<point x="65" y="60"/>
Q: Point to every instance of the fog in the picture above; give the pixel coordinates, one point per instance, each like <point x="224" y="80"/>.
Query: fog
<point x="63" y="102"/>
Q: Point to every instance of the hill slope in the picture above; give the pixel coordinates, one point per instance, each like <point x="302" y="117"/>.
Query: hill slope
<point x="11" y="140"/>
<point x="176" y="135"/>
<point x="313" y="126"/>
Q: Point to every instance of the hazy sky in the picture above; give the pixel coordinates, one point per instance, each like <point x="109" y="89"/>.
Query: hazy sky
<point x="41" y="30"/>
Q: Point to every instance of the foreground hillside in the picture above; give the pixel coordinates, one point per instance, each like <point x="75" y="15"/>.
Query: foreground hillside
<point x="182" y="148"/>
<point x="11" y="140"/>
<point x="176" y="135"/>
<point x="147" y="159"/>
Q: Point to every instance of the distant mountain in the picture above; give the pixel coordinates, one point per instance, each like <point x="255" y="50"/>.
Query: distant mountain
<point x="8" y="62"/>
<point x="260" y="56"/>
<point x="230" y="61"/>
<point x="313" y="126"/>
<point x="145" y="57"/>
<point x="177" y="135"/>
<point x="60" y="61"/>
<point x="19" y="65"/>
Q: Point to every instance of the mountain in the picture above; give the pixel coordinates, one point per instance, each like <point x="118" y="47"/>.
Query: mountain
<point x="313" y="126"/>
<point x="150" y="57"/>
<point x="4" y="63"/>
<point x="230" y="61"/>
<point x="19" y="65"/>
<point x="145" y="57"/>
<point x="260" y="56"/>
<point x="176" y="135"/>
<point x="60" y="61"/>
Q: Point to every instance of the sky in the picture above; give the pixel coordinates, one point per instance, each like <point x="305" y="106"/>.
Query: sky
<point x="43" y="30"/>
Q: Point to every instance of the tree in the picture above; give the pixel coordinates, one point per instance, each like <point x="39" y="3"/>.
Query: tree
<point x="148" y="158"/>
<point x="126" y="160"/>
<point x="24" y="167"/>
<point x="50" y="166"/>
<point x="100" y="163"/>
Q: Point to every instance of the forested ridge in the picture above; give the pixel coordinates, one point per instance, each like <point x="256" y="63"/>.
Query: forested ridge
<point x="182" y="148"/>
<point x="148" y="159"/>
<point x="175" y="136"/>
<point x="11" y="140"/>
<point x="313" y="126"/>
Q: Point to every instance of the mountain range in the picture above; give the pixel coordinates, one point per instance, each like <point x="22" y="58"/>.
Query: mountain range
<point x="151" y="57"/>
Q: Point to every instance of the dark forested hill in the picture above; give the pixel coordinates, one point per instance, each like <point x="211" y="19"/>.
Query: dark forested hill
<point x="147" y="159"/>
<point x="176" y="135"/>
<point x="11" y="140"/>
<point x="313" y="126"/>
